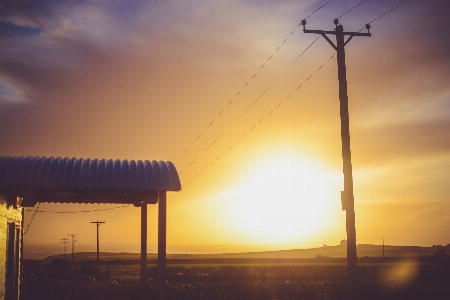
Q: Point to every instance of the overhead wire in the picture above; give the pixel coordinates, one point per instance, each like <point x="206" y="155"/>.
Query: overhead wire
<point x="32" y="218"/>
<point x="260" y="121"/>
<point x="331" y="23"/>
<point x="245" y="85"/>
<point x="74" y="212"/>
<point x="91" y="228"/>
<point x="114" y="216"/>
<point x="82" y="231"/>
<point x="282" y="100"/>
<point x="126" y="217"/>
<point x="258" y="98"/>
<point x="315" y="11"/>
<point x="389" y="11"/>
<point x="351" y="9"/>
<point x="105" y="209"/>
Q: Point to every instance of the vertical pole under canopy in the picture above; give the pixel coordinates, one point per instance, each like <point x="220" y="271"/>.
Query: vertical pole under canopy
<point x="143" y="274"/>
<point x="162" y="214"/>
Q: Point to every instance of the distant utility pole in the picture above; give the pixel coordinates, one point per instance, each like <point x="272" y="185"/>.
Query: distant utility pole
<point x="73" y="244"/>
<point x="346" y="195"/>
<point x="98" y="245"/>
<point x="383" y="247"/>
<point x="65" y="241"/>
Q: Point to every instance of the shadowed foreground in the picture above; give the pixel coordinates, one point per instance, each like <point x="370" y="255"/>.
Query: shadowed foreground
<point x="385" y="281"/>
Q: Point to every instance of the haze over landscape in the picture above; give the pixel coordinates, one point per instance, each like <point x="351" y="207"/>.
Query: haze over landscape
<point x="213" y="86"/>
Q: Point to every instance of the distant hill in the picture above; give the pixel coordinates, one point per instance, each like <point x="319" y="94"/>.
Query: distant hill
<point x="329" y="251"/>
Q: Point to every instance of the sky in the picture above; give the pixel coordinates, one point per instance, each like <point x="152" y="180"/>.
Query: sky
<point x="226" y="91"/>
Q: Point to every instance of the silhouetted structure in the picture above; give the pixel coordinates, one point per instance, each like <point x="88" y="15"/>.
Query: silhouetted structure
<point x="65" y="242"/>
<point x="11" y="228"/>
<point x="98" y="223"/>
<point x="73" y="245"/>
<point x="346" y="195"/>
<point x="24" y="181"/>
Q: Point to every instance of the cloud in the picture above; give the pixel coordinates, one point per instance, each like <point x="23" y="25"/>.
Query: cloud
<point x="10" y="92"/>
<point x="142" y="79"/>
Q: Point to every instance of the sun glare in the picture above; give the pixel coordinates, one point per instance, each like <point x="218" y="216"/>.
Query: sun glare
<point x="284" y="200"/>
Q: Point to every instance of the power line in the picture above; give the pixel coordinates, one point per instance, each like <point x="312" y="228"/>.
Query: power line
<point x="351" y="9"/>
<point x="260" y="121"/>
<point x="124" y="218"/>
<point x="257" y="99"/>
<point x="83" y="230"/>
<point x="87" y="232"/>
<point x="282" y="100"/>
<point x="315" y="11"/>
<point x="389" y="11"/>
<point x="32" y="218"/>
<point x="118" y="213"/>
<point x="253" y="103"/>
<point x="245" y="85"/>
<point x="74" y="212"/>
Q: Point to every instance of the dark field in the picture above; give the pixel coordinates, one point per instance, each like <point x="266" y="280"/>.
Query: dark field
<point x="380" y="279"/>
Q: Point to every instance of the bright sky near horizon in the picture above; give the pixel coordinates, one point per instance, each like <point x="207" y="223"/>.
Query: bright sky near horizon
<point x="259" y="158"/>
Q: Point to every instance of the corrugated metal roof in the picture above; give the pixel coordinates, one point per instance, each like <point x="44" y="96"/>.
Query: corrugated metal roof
<point x="78" y="173"/>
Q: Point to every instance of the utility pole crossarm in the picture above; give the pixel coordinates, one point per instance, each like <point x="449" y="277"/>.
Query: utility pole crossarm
<point x="319" y="31"/>
<point x="322" y="32"/>
<point x="325" y="32"/>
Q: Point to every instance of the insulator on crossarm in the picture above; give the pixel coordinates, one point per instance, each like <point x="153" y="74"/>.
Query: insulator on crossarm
<point x="368" y="27"/>
<point x="303" y="23"/>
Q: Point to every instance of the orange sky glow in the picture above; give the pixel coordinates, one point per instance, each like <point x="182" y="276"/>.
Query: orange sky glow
<point x="143" y="80"/>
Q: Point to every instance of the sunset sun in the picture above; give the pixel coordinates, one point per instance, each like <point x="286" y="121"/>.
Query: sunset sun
<point x="284" y="199"/>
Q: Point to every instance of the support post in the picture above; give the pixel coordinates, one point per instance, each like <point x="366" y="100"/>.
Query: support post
<point x="162" y="214"/>
<point x="143" y="274"/>
<point x="347" y="197"/>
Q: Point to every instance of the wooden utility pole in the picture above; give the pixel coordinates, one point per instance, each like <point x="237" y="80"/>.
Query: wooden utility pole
<point x="98" y="245"/>
<point x="346" y="195"/>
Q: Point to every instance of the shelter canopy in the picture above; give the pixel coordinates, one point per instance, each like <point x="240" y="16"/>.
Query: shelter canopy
<point x="77" y="180"/>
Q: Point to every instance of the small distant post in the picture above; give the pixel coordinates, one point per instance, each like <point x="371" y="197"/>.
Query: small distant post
<point x="98" y="245"/>
<point x="65" y="241"/>
<point x="73" y="245"/>
<point x="347" y="197"/>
